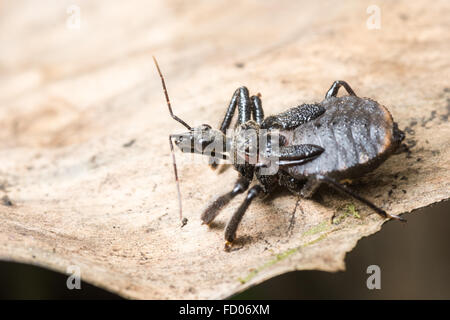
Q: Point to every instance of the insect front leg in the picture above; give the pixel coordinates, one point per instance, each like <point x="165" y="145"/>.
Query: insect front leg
<point x="230" y="230"/>
<point x="298" y="154"/>
<point x="247" y="107"/>
<point x="245" y="104"/>
<point x="214" y="208"/>
<point x="257" y="109"/>
<point x="333" y="91"/>
<point x="290" y="155"/>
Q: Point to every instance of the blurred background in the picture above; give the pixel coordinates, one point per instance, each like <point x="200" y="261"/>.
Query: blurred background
<point x="414" y="260"/>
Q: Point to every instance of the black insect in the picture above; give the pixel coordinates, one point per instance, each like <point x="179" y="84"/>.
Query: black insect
<point x="337" y="139"/>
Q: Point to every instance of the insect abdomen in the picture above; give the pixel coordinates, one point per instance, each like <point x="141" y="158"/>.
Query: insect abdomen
<point x="355" y="133"/>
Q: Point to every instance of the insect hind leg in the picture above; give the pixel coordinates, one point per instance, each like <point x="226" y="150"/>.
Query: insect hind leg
<point x="336" y="185"/>
<point x="333" y="91"/>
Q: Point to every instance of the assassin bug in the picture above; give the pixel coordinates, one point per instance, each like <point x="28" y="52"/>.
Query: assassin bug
<point x="321" y="143"/>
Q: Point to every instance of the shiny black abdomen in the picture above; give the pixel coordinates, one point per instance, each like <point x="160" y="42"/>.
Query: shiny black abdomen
<point x="356" y="133"/>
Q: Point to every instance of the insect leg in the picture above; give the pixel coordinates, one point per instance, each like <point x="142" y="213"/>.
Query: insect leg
<point x="289" y="182"/>
<point x="214" y="208"/>
<point x="244" y="105"/>
<point x="230" y="111"/>
<point x="309" y="188"/>
<point x="333" y="183"/>
<point x="230" y="230"/>
<point x="294" y="155"/>
<point x="257" y="110"/>
<point x="301" y="188"/>
<point x="242" y="100"/>
<point x="333" y="91"/>
<point x="293" y="117"/>
<point x="298" y="154"/>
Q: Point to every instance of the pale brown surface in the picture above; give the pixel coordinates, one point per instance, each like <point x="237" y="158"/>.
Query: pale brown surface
<point x="70" y="100"/>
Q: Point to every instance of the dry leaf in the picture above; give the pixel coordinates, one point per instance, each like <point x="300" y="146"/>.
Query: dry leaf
<point x="84" y="155"/>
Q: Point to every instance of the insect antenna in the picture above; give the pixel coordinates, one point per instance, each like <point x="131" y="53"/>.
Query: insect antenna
<point x="183" y="220"/>
<point x="167" y="96"/>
